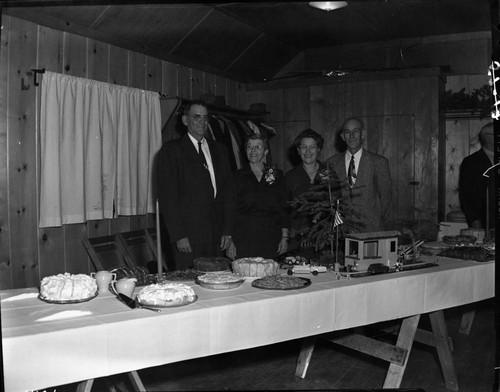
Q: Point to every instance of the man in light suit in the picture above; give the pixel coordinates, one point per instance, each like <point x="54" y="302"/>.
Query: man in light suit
<point x="365" y="178"/>
<point x="196" y="191"/>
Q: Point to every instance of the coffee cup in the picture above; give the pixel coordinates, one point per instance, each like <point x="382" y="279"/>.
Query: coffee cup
<point x="103" y="280"/>
<point x="124" y="286"/>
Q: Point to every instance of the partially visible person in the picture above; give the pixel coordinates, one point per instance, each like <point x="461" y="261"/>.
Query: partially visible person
<point x="368" y="190"/>
<point x="196" y="191"/>
<point x="475" y="190"/>
<point x="261" y="227"/>
<point x="303" y="177"/>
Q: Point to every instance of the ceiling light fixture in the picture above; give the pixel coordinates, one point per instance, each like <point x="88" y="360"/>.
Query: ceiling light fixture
<point x="328" y="5"/>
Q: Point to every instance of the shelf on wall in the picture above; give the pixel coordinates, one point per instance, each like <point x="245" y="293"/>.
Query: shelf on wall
<point x="465" y="113"/>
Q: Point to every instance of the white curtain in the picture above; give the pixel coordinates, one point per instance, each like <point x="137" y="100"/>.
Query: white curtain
<point x="98" y="142"/>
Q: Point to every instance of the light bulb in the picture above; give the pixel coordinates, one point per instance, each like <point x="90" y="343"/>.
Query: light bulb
<point x="328" y="5"/>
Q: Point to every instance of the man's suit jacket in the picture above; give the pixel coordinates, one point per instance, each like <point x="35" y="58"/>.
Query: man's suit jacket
<point x="371" y="195"/>
<point x="185" y="192"/>
<point x="472" y="188"/>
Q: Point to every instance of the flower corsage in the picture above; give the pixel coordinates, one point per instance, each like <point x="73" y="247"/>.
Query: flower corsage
<point x="270" y="175"/>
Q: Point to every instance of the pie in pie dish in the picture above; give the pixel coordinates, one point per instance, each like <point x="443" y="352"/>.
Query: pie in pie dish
<point x="166" y="294"/>
<point x="220" y="280"/>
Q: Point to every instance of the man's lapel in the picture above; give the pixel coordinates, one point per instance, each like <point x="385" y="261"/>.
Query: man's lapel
<point x="361" y="171"/>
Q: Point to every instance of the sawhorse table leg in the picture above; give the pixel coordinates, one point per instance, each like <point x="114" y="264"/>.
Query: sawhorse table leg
<point x="305" y="355"/>
<point x="438" y="324"/>
<point x="397" y="354"/>
<point x="86" y="386"/>
<point x="405" y="341"/>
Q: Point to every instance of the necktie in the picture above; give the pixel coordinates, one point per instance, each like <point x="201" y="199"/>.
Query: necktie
<point x="202" y="156"/>
<point x="351" y="173"/>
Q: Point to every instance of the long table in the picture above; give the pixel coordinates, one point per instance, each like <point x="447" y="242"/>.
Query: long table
<point x="47" y="345"/>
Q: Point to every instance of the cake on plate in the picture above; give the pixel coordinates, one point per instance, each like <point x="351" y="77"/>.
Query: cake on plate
<point x="207" y="264"/>
<point x="255" y="267"/>
<point x="68" y="287"/>
<point x="166" y="294"/>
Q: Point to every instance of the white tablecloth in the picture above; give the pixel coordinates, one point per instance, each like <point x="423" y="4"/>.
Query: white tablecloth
<point x="47" y="345"/>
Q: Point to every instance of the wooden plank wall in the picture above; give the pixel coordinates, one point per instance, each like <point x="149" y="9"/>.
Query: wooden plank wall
<point x="27" y="253"/>
<point x="401" y="116"/>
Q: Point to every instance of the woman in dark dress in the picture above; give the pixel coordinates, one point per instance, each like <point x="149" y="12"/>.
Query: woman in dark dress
<point x="262" y="222"/>
<point x="302" y="177"/>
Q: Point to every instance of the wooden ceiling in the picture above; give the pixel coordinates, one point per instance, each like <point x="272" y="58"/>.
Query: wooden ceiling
<point x="249" y="41"/>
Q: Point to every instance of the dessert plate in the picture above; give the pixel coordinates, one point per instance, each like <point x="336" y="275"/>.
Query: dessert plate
<point x="66" y="301"/>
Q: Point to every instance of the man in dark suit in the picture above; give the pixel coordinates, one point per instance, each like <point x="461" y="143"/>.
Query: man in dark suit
<point x="366" y="179"/>
<point x="475" y="190"/>
<point x="196" y="191"/>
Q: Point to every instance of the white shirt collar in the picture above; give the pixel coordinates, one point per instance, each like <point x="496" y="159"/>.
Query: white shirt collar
<point x="195" y="142"/>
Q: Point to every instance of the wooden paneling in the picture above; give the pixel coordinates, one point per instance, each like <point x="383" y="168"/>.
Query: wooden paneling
<point x="184" y="81"/>
<point x="98" y="60"/>
<point x="196" y="83"/>
<point x="169" y="80"/>
<point x="457" y="147"/>
<point x="21" y="153"/>
<point x="401" y="119"/>
<point x="75" y="55"/>
<point x="27" y="253"/>
<point x="137" y="70"/>
<point x="5" y="257"/>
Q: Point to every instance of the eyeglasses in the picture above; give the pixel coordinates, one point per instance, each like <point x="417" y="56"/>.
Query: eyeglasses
<point x="258" y="147"/>
<point x="304" y="148"/>
<point x="199" y="117"/>
<point x="352" y="132"/>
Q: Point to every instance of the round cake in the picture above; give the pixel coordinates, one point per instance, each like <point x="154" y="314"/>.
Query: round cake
<point x="255" y="267"/>
<point x="68" y="287"/>
<point x="207" y="264"/>
<point x="166" y="294"/>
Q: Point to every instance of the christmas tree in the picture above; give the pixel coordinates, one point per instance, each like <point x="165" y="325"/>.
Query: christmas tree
<point x="329" y="217"/>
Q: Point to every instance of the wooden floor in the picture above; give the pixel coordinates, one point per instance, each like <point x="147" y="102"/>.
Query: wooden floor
<point x="332" y="367"/>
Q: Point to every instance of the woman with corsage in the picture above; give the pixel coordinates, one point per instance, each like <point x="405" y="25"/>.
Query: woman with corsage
<point x="261" y="227"/>
<point x="304" y="176"/>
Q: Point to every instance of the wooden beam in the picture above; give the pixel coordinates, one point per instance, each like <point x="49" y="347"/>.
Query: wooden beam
<point x="305" y="355"/>
<point x="375" y="348"/>
<point x="360" y="76"/>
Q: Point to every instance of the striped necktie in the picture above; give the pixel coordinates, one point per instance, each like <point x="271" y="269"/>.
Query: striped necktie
<point x="351" y="173"/>
<point x="202" y="156"/>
